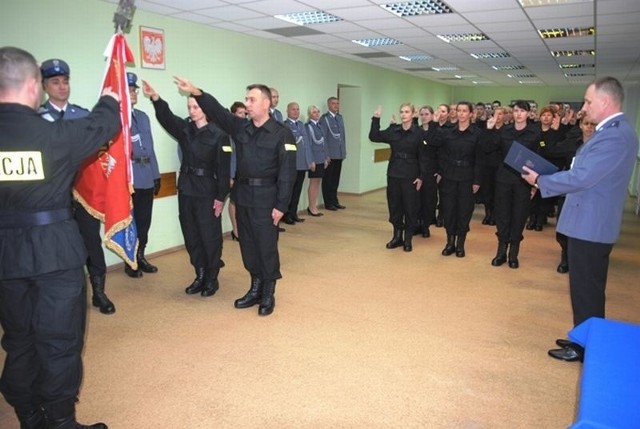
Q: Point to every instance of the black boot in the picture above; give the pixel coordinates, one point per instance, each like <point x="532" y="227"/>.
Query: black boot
<point x="514" y="248"/>
<point x="143" y="264"/>
<point x="268" y="300"/>
<point x="450" y="248"/>
<point x="407" y="246"/>
<point x="532" y="223"/>
<point x="131" y="272"/>
<point x="198" y="283"/>
<point x="100" y="298"/>
<point x="460" y="245"/>
<point x="487" y="215"/>
<point x="32" y="419"/>
<point x="396" y="241"/>
<point x="425" y="231"/>
<point x="210" y="285"/>
<point x="501" y="254"/>
<point x="252" y="297"/>
<point x="563" y="267"/>
<point x="71" y="423"/>
<point x="419" y="227"/>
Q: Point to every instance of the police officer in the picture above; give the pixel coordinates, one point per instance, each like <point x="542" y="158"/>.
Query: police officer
<point x="303" y="159"/>
<point x="333" y="128"/>
<point x="146" y="178"/>
<point x="203" y="186"/>
<point x="266" y="155"/>
<point x="55" y="80"/>
<point x="42" y="282"/>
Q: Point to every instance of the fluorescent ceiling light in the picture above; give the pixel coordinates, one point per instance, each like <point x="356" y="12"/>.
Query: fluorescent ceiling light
<point x="508" y="67"/>
<point x="416" y="58"/>
<point x="522" y="76"/>
<point x="481" y="82"/>
<point x="415" y="8"/>
<point x="449" y="68"/>
<point x="369" y="43"/>
<point x="490" y="55"/>
<point x="308" y="18"/>
<point x="529" y="82"/>
<point x="576" y="66"/>
<point x="534" y="3"/>
<point x="591" y="52"/>
<point x="465" y="37"/>
<point x="556" y="33"/>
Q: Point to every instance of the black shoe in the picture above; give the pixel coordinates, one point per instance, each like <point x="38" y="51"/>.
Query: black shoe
<point x="538" y="228"/>
<point x="485" y="220"/>
<point x="198" y="284"/>
<point x="297" y="219"/>
<point x="288" y="220"/>
<point x="131" y="272"/>
<point x="332" y="208"/>
<point x="426" y="233"/>
<point x="561" y="342"/>
<point x="252" y="297"/>
<point x="563" y="267"/>
<point x="407" y="247"/>
<point x="99" y="298"/>
<point x="570" y="353"/>
<point x="234" y="237"/>
<point x="210" y="288"/>
<point x="439" y="223"/>
<point x="340" y="206"/>
<point x="281" y="229"/>
<point x="314" y="214"/>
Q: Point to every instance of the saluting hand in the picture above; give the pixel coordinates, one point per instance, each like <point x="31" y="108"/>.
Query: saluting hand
<point x="149" y="91"/>
<point x="378" y="112"/>
<point x="491" y="123"/>
<point x="186" y="86"/>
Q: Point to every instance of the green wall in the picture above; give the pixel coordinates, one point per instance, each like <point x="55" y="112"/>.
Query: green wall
<point x="223" y="63"/>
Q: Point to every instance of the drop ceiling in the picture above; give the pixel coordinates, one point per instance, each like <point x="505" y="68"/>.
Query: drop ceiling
<point x="513" y="53"/>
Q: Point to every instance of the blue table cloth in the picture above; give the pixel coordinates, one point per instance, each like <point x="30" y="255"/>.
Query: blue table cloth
<point x="610" y="385"/>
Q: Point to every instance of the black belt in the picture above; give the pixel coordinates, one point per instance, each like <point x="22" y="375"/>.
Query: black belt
<point x="257" y="181"/>
<point x="185" y="169"/>
<point x="460" y="163"/>
<point x="27" y="219"/>
<point x="141" y="160"/>
<point x="403" y="155"/>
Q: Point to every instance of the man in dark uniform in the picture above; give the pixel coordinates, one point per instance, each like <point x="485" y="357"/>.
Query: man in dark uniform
<point x="42" y="283"/>
<point x="146" y="178"/>
<point x="55" y="80"/>
<point x="266" y="172"/>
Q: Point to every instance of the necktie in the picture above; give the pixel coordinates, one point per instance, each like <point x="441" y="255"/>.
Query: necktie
<point x="61" y="114"/>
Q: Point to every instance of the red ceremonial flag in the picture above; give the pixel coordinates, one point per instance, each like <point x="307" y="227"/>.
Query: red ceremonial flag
<point x="104" y="183"/>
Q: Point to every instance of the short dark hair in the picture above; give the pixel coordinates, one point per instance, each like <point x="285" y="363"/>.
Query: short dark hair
<point x="237" y="105"/>
<point x="466" y="103"/>
<point x="611" y="86"/>
<point x="522" y="104"/>
<point x="264" y="89"/>
<point x="16" y="65"/>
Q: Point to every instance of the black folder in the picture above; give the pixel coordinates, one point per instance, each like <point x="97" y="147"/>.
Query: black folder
<point x="520" y="156"/>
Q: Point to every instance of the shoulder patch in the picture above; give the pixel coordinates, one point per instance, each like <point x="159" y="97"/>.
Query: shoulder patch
<point x="227" y="148"/>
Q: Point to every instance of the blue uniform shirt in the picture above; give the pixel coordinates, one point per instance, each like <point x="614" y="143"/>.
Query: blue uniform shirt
<point x="143" y="157"/>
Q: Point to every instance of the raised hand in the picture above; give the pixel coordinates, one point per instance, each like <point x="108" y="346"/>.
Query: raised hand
<point x="186" y="86"/>
<point x="378" y="112"/>
<point x="149" y="91"/>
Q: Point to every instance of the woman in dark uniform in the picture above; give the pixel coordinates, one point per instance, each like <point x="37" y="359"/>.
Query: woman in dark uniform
<point x="404" y="178"/>
<point x="203" y="185"/>
<point x="512" y="195"/>
<point x="458" y="158"/>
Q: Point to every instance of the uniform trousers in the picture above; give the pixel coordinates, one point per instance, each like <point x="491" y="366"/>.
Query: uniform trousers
<point x="428" y="199"/>
<point x="457" y="205"/>
<point x="330" y="183"/>
<point x="142" y="208"/>
<point x="258" y="242"/>
<point x="589" y="262"/>
<point x="511" y="209"/>
<point x="90" y="231"/>
<point x="295" y="194"/>
<point x="403" y="200"/>
<point x="202" y="231"/>
<point x="488" y="188"/>
<point x="43" y="319"/>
